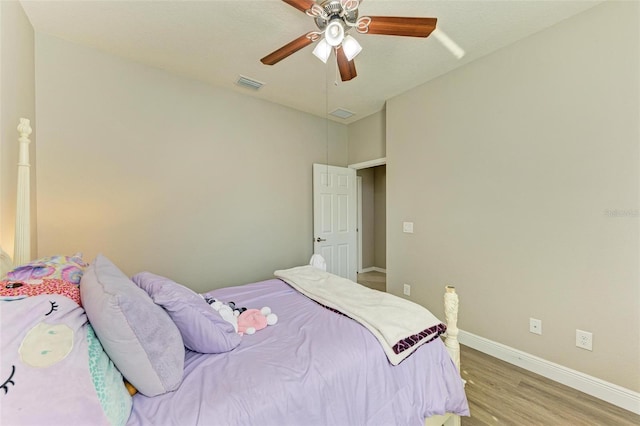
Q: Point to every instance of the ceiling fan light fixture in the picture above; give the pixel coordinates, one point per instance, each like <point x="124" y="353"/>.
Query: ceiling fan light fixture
<point x="351" y="47"/>
<point x="322" y="50"/>
<point x="335" y="18"/>
<point x="334" y="33"/>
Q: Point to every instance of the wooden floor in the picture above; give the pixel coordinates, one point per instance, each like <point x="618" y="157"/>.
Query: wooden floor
<point x="375" y="280"/>
<point x="502" y="394"/>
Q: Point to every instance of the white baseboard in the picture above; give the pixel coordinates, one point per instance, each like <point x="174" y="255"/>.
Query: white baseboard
<point x="612" y="393"/>
<point x="373" y="269"/>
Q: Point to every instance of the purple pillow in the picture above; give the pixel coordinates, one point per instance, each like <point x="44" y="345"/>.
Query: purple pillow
<point x="203" y="329"/>
<point x="137" y="334"/>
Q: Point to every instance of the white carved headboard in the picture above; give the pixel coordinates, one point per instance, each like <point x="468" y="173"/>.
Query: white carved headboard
<point x="22" y="242"/>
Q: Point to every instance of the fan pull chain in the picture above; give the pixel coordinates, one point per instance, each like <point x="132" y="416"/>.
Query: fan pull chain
<point x="326" y="109"/>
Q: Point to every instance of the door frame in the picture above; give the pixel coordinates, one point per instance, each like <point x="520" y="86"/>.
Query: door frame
<point x="359" y="166"/>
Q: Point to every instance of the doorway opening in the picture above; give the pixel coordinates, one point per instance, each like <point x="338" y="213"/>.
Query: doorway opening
<point x="372" y="232"/>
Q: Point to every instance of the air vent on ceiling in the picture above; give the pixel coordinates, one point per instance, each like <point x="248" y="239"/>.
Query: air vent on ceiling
<point x="249" y="82"/>
<point x="342" y="113"/>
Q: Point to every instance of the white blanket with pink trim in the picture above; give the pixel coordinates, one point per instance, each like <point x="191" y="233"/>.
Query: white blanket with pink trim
<point x="400" y="325"/>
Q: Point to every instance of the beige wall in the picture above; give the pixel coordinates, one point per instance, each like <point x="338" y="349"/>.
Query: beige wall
<point x="367" y="138"/>
<point x="167" y="174"/>
<point x="17" y="99"/>
<point x="521" y="175"/>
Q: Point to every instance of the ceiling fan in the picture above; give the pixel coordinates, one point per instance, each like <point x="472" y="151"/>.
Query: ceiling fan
<point x="335" y="18"/>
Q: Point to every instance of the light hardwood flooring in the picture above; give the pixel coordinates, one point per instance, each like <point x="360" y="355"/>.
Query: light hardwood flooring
<point x="502" y="394"/>
<point x="375" y="280"/>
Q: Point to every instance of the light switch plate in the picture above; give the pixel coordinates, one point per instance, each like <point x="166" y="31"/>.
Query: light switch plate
<point x="407" y="227"/>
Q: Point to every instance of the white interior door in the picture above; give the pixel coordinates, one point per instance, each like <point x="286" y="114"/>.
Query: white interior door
<point x="334" y="218"/>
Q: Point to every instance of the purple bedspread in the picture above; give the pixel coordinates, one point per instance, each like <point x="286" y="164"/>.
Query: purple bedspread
<point x="314" y="367"/>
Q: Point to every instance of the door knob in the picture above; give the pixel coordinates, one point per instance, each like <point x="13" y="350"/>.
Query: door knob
<point x="320" y="239"/>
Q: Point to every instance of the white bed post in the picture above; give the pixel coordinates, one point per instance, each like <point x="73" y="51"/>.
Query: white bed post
<point x="451" y="316"/>
<point x="451" y="341"/>
<point x="453" y="347"/>
<point x="22" y="247"/>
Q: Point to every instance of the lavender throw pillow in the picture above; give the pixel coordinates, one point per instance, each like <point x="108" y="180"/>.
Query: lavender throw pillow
<point x="202" y="329"/>
<point x="137" y="334"/>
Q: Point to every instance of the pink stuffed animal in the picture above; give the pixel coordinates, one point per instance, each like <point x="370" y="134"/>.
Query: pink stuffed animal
<point x="253" y="320"/>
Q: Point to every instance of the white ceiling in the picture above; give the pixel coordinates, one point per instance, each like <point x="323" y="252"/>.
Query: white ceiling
<point x="217" y="41"/>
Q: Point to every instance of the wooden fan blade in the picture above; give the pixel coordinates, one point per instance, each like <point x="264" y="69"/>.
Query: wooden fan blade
<point x="301" y="5"/>
<point x="286" y="50"/>
<point x="399" y="26"/>
<point x="347" y="67"/>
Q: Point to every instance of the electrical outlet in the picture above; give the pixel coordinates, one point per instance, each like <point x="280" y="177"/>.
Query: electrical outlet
<point x="407" y="290"/>
<point x="535" y="326"/>
<point x="584" y="340"/>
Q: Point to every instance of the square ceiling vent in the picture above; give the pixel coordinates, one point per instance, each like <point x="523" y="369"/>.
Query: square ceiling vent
<point x="249" y="83"/>
<point x="342" y="113"/>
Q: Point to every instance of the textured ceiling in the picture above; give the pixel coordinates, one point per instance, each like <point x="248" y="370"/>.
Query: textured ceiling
<point x="217" y="41"/>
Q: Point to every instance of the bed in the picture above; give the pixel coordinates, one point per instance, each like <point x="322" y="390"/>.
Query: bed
<point x="82" y="343"/>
